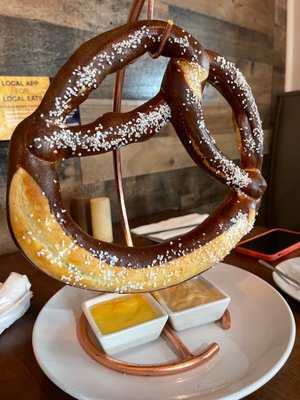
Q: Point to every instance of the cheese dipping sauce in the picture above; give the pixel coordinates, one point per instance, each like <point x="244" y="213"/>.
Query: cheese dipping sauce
<point x="122" y="312"/>
<point x="188" y="294"/>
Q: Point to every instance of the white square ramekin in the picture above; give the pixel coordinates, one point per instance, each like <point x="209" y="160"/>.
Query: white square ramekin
<point x="129" y="337"/>
<point x="196" y="315"/>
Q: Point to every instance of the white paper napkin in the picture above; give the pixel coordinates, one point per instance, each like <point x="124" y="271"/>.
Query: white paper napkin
<point x="170" y="228"/>
<point x="15" y="298"/>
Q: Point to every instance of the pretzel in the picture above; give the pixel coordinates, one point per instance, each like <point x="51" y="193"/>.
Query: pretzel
<point x="42" y="227"/>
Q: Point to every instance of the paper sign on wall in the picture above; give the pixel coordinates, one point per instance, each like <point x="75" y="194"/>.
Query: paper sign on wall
<point x="19" y="97"/>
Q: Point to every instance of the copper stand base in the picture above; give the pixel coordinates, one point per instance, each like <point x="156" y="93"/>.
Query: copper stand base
<point x="187" y="359"/>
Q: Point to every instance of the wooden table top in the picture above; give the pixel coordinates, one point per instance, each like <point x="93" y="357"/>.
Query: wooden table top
<point x="22" y="378"/>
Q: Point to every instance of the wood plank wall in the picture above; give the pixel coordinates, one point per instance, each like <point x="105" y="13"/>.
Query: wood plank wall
<point x="37" y="36"/>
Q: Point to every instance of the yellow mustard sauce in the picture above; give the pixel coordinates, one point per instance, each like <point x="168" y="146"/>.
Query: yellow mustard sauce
<point x="188" y="294"/>
<point x="122" y="312"/>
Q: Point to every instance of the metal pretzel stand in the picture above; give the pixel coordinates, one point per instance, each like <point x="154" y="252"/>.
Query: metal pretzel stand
<point x="186" y="359"/>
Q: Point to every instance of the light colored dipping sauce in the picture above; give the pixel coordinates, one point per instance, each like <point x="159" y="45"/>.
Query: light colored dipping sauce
<point x="122" y="312"/>
<point x="188" y="294"/>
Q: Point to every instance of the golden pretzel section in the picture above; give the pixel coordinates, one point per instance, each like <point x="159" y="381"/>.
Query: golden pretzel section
<point x="194" y="74"/>
<point x="46" y="244"/>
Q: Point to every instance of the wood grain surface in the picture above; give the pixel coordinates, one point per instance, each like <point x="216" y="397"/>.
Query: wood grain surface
<point x="38" y="36"/>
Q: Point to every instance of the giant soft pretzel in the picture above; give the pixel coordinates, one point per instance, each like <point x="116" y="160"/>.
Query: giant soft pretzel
<point x="41" y="226"/>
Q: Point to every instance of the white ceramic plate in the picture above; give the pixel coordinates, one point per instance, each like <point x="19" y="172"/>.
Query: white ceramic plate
<point x="251" y="352"/>
<point x="290" y="267"/>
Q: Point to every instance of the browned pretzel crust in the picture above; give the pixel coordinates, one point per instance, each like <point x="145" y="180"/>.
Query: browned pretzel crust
<point x="43" y="229"/>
